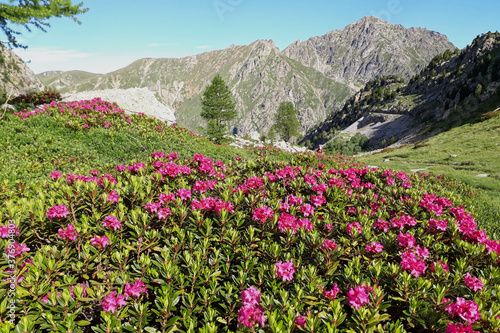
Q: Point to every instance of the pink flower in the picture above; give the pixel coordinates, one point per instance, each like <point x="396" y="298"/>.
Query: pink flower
<point x="406" y="240"/>
<point x="287" y="222"/>
<point x="352" y="227"/>
<point x="163" y="213"/>
<point x="389" y="181"/>
<point x="332" y="294"/>
<point x="251" y="296"/>
<point x="135" y="289"/>
<point x="152" y="207"/>
<point x="307" y="210"/>
<point x="111" y="222"/>
<point x="60" y="211"/>
<point x="55" y="175"/>
<point x="466" y="310"/>
<point x="7" y="230"/>
<point x="318" y="201"/>
<point x="69" y="233"/>
<point x="409" y="260"/>
<point x="112" y="302"/>
<point x="84" y="293"/>
<point x="113" y="196"/>
<point x="251" y="312"/>
<point x="310" y="179"/>
<point x="374" y="247"/>
<point x="300" y="321"/>
<point x="184" y="193"/>
<point x="328" y="245"/>
<point x="438" y="224"/>
<point x="382" y="225"/>
<point x="285" y="270"/>
<point x="444" y="266"/>
<point x="295" y="200"/>
<point x="262" y="214"/>
<point x="165" y="198"/>
<point x="359" y="296"/>
<point x="473" y="282"/>
<point x="305" y="224"/>
<point x="101" y="242"/>
<point x="15" y="249"/>
<point x="459" y="328"/>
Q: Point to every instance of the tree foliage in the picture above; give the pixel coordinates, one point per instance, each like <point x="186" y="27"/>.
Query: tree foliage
<point x="286" y="122"/>
<point x="217" y="108"/>
<point x="34" y="13"/>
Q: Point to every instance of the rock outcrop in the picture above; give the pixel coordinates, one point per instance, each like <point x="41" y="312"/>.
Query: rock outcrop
<point x="132" y="100"/>
<point x="16" y="77"/>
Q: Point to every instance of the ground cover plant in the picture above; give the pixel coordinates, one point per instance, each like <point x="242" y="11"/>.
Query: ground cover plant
<point x="242" y="243"/>
<point x="200" y="246"/>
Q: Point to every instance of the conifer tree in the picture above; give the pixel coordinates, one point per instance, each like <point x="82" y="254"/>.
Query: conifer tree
<point x="34" y="13"/>
<point x="217" y="108"/>
<point x="286" y="122"/>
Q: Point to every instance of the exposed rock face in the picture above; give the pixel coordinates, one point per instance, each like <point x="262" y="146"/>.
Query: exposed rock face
<point x="16" y="77"/>
<point x="132" y="100"/>
<point x="455" y="88"/>
<point x="312" y="75"/>
<point x="370" y="48"/>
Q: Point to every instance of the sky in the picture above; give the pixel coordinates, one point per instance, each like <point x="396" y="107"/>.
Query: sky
<point x="114" y="33"/>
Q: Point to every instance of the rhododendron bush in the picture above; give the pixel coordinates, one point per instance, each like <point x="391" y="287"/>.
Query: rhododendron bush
<point x="198" y="245"/>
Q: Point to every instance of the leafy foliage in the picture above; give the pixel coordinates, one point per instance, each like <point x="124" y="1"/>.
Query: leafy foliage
<point x="34" y="13"/>
<point x="344" y="146"/>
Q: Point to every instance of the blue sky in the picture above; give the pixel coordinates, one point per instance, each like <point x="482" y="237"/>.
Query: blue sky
<point x="114" y="33"/>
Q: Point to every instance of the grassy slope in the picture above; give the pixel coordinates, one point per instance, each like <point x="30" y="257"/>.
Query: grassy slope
<point x="477" y="147"/>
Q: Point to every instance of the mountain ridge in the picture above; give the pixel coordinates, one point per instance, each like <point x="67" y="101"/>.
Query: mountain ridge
<point x="259" y="75"/>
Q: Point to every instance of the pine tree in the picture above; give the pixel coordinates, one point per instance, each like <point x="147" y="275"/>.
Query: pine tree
<point x="286" y="123"/>
<point x="34" y="13"/>
<point x="217" y="108"/>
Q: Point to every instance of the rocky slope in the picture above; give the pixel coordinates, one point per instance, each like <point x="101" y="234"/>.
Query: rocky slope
<point x="369" y="48"/>
<point x="16" y="77"/>
<point x="453" y="89"/>
<point x="132" y="100"/>
<point x="261" y="77"/>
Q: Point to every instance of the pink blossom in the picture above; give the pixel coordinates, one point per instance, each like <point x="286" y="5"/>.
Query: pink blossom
<point x="352" y="227"/>
<point x="152" y="207"/>
<point x="328" y="245"/>
<point x="295" y="200"/>
<point x="409" y="260"/>
<point x="84" y="293"/>
<point x="359" y="296"/>
<point x="55" y="175"/>
<point x="163" y="213"/>
<point x="113" y="196"/>
<point x="473" y="282"/>
<point x="300" y="321"/>
<point x="382" y="225"/>
<point x="7" y="230"/>
<point x="251" y="296"/>
<point x="112" y="302"/>
<point x="310" y="179"/>
<point x="135" y="289"/>
<point x="262" y="213"/>
<point x="466" y="310"/>
<point x="184" y="193"/>
<point x="438" y="224"/>
<point x="318" y="201"/>
<point x="444" y="266"/>
<point x="15" y="249"/>
<point x="374" y="247"/>
<point x="406" y="240"/>
<point x="285" y="270"/>
<point x="307" y="210"/>
<point x="60" y="211"/>
<point x="287" y="222"/>
<point x="305" y="224"/>
<point x="101" y="242"/>
<point x="69" y="233"/>
<point x="459" y="328"/>
<point x="111" y="222"/>
<point x="166" y="197"/>
<point x="332" y="293"/>
<point x="390" y="181"/>
<point x="158" y="155"/>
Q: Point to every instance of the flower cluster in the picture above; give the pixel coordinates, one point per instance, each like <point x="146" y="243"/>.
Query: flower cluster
<point x="251" y="312"/>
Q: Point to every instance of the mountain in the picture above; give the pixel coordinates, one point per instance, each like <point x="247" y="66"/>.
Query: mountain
<point x="261" y="77"/>
<point x="17" y="78"/>
<point x="369" y="48"/>
<point x="453" y="89"/>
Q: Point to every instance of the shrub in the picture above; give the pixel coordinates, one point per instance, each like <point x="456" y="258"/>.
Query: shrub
<point x="202" y="246"/>
<point x="43" y="97"/>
